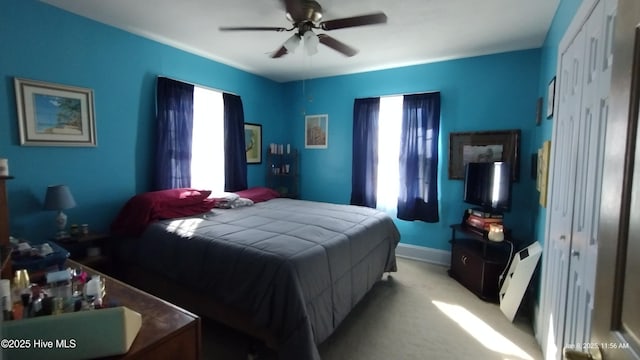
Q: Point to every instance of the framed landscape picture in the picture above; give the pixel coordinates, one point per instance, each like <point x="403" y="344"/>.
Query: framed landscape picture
<point x="253" y="143"/>
<point x="54" y="115"/>
<point x="483" y="146"/>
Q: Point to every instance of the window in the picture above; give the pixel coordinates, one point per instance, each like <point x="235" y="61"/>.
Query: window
<point x="395" y="155"/>
<point x="389" y="131"/>
<point x="218" y="138"/>
<point x="207" y="147"/>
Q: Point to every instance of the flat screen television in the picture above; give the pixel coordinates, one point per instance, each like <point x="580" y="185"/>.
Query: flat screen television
<point x="488" y="186"/>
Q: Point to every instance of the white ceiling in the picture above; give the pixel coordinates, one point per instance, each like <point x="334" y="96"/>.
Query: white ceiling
<point x="417" y="31"/>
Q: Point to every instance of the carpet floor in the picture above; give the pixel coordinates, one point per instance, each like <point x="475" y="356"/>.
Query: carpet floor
<point x="417" y="313"/>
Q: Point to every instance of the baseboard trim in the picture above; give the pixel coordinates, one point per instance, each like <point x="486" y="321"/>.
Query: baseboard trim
<point x="422" y="253"/>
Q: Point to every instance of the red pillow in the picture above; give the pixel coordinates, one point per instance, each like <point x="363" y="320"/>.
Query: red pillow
<point x="145" y="208"/>
<point x="258" y="194"/>
<point x="176" y="197"/>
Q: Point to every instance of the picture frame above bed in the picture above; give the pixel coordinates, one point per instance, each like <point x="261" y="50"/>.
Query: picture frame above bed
<point x="253" y="143"/>
<point x="483" y="146"/>
<point x="54" y="115"/>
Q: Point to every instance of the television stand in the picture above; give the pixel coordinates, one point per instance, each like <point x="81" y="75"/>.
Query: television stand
<point x="477" y="262"/>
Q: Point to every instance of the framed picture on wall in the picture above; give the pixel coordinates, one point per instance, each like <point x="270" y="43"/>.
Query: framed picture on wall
<point x="551" y="94"/>
<point x="539" y="111"/>
<point x="54" y="115"/>
<point x="483" y="146"/>
<point x="253" y="143"/>
<point x="316" y="131"/>
<point x="543" y="171"/>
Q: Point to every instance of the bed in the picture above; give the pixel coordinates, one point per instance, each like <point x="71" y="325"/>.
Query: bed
<point x="286" y="271"/>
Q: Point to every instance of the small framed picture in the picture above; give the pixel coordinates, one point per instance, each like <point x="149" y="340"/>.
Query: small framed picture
<point x="539" y="111"/>
<point x="543" y="171"/>
<point x="253" y="143"/>
<point x="551" y="94"/>
<point x="54" y="115"/>
<point x="316" y="131"/>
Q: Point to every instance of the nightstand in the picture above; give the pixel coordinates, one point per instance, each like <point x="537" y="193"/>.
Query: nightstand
<point x="93" y="249"/>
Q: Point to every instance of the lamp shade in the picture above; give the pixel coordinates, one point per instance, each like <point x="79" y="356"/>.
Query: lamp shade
<point x="58" y="197"/>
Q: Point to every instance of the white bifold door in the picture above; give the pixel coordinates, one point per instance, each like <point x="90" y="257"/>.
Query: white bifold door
<point x="580" y="119"/>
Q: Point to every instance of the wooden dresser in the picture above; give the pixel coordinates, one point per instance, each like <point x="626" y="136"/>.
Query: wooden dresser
<point x="167" y="332"/>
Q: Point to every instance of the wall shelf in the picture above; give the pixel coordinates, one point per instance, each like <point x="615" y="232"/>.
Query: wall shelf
<point x="283" y="173"/>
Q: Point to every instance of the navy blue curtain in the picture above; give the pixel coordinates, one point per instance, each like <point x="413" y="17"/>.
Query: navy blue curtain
<point x="174" y="101"/>
<point x="418" y="198"/>
<point x="364" y="169"/>
<point x="235" y="156"/>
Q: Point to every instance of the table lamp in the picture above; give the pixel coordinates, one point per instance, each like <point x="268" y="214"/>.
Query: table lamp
<point x="59" y="198"/>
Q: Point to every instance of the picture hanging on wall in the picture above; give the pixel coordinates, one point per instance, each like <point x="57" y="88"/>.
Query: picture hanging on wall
<point x="54" y="115"/>
<point x="543" y="171"/>
<point x="551" y="94"/>
<point x="539" y="111"/>
<point x="316" y="131"/>
<point x="483" y="146"/>
<point x="253" y="143"/>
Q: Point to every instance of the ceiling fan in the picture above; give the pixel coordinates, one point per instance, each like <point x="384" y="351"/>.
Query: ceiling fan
<point x="306" y="15"/>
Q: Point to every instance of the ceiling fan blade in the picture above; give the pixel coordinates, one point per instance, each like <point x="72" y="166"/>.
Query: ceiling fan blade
<point x="251" y="28"/>
<point x="294" y="8"/>
<point x="370" y="19"/>
<point x="337" y="45"/>
<point x="279" y="53"/>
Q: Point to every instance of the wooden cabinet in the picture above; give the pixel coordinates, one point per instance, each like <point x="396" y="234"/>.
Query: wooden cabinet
<point x="5" y="249"/>
<point x="93" y="249"/>
<point x="477" y="262"/>
<point x="282" y="172"/>
<point x="167" y="332"/>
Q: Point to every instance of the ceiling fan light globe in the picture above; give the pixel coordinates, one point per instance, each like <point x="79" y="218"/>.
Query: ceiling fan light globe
<point x="311" y="42"/>
<point x="292" y="43"/>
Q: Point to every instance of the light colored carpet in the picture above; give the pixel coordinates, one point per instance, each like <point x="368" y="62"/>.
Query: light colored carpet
<point x="417" y="313"/>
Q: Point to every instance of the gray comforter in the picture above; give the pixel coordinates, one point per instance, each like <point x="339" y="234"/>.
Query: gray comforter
<point x="298" y="266"/>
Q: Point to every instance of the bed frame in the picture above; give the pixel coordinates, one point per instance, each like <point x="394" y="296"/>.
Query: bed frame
<point x="285" y="327"/>
<point x="169" y="290"/>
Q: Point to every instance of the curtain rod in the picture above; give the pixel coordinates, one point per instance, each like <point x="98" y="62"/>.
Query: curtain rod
<point x="413" y="93"/>
<point x="402" y="94"/>
<point x="199" y="85"/>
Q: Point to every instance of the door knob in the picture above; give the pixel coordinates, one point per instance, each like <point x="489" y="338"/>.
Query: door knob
<point x="593" y="353"/>
<point x="575" y="253"/>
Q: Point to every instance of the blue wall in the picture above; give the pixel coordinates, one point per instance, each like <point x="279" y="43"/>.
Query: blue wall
<point x="495" y="92"/>
<point x="41" y="42"/>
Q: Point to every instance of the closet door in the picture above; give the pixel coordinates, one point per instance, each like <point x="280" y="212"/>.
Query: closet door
<point x="571" y="243"/>
<point x="586" y="211"/>
<point x="561" y="196"/>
